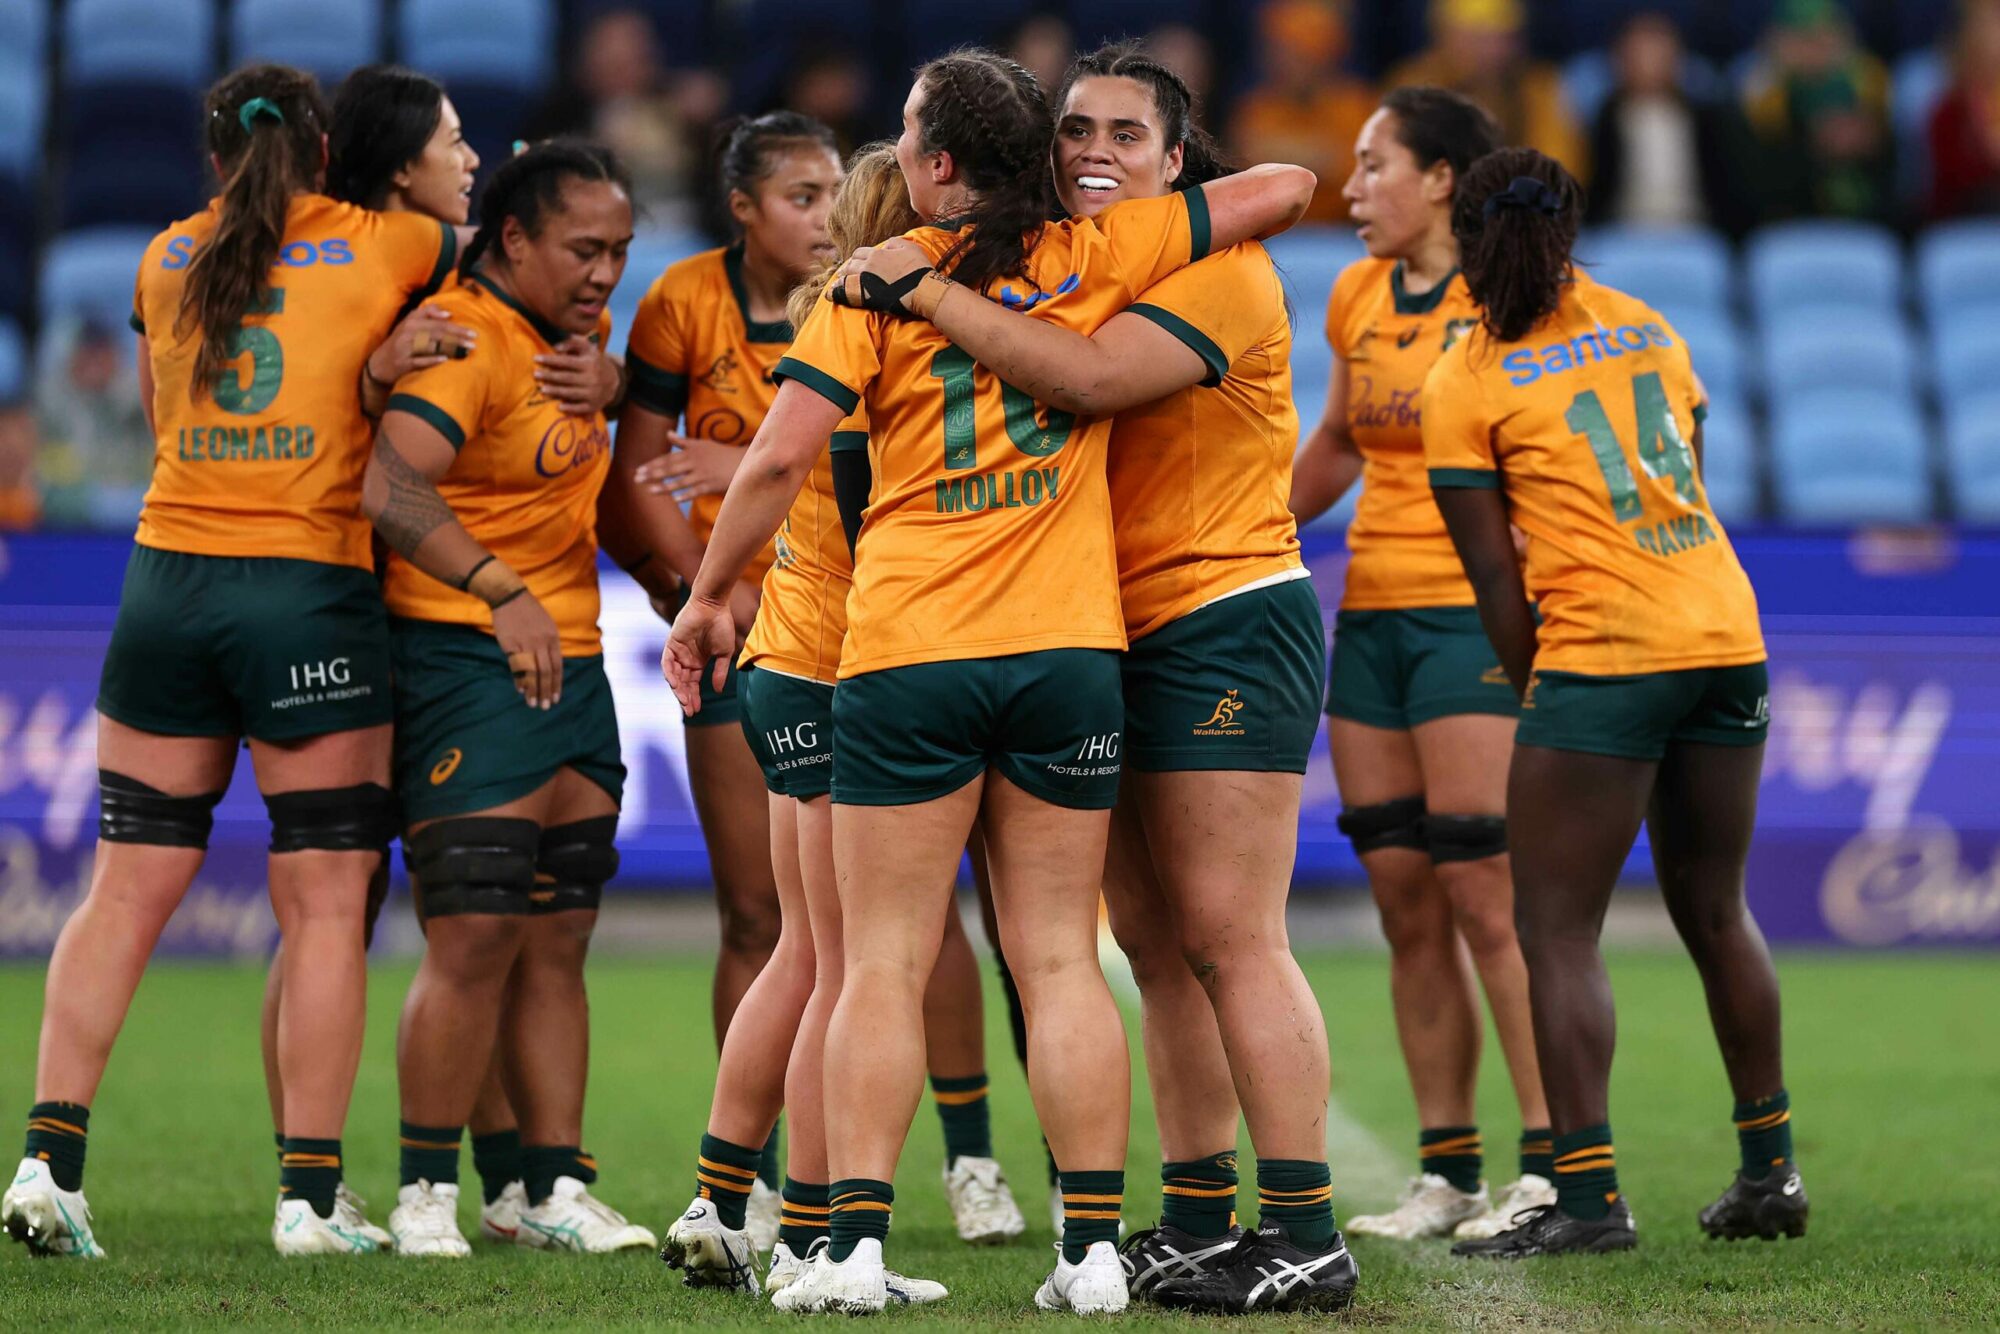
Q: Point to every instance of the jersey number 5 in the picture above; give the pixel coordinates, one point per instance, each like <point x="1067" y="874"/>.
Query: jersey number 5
<point x="267" y="364"/>
<point x="1662" y="452"/>
<point x="955" y="367"/>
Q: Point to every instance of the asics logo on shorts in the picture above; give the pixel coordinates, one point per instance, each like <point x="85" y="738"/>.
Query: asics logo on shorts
<point x="446" y="767"/>
<point x="1223" y="721"/>
<point x="1493" y="676"/>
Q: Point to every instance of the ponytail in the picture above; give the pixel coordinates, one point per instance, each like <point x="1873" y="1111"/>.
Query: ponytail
<point x="264" y="125"/>
<point x="1515" y="217"/>
<point x="990" y="115"/>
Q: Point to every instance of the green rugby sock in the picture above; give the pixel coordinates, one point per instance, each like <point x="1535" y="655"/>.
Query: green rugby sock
<point x="1199" y="1196"/>
<point x="966" y="1116"/>
<point x="723" y="1173"/>
<point x="1297" y="1195"/>
<point x="1092" y="1202"/>
<point x="1454" y="1153"/>
<point x="859" y="1208"/>
<point x="769" y="1170"/>
<point x="1764" y="1134"/>
<point x="58" y="1134"/>
<point x="309" y="1170"/>
<point x="1538" y="1153"/>
<point x="497" y="1159"/>
<point x="1586" y="1172"/>
<point x="430" y="1153"/>
<point x="541" y="1164"/>
<point x="804" y="1220"/>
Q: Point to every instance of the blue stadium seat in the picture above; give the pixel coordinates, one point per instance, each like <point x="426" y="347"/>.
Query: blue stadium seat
<point x="1850" y="457"/>
<point x="1958" y="266"/>
<point x="23" y="94"/>
<point x="90" y="274"/>
<point x="1972" y="459"/>
<point x="1966" y="363"/>
<point x="328" y="39"/>
<point x="13" y="363"/>
<point x="1722" y="356"/>
<point x="24" y="33"/>
<point x="135" y="159"/>
<point x="169" y="42"/>
<point x="1809" y="356"/>
<point x="1915" y="86"/>
<point x="1308" y="260"/>
<point x="505" y="42"/>
<point x="1673" y="269"/>
<point x="1824" y="263"/>
<point x="1730" y="460"/>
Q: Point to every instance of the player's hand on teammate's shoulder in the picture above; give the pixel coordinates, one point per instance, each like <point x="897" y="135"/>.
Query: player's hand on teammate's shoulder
<point x="424" y="338"/>
<point x="579" y="377"/>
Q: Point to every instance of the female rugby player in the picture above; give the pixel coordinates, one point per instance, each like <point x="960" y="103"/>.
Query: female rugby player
<point x="250" y="609"/>
<point x="1573" y="410"/>
<point x="1221" y="686"/>
<point x="508" y="767"/>
<point x="979" y="677"/>
<point x="1420" y="716"/>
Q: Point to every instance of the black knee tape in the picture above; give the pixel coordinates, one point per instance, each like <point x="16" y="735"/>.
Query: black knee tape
<point x="130" y="811"/>
<point x="575" y="861"/>
<point x="473" y="865"/>
<point x="1465" y="838"/>
<point x="1393" y="824"/>
<point x="361" y="818"/>
<point x="378" y="894"/>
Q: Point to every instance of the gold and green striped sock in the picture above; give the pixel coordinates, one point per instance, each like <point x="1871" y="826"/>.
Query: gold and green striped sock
<point x="965" y="1115"/>
<point x="430" y="1153"/>
<point x="309" y="1170"/>
<point x="1538" y="1153"/>
<point x="1297" y="1195"/>
<point x="541" y="1164"/>
<point x="723" y="1173"/>
<point x="1092" y="1202"/>
<point x="804" y="1220"/>
<point x="58" y="1134"/>
<point x="1586" y="1172"/>
<point x="1764" y="1134"/>
<point x="1199" y="1196"/>
<point x="857" y="1208"/>
<point x="1455" y="1153"/>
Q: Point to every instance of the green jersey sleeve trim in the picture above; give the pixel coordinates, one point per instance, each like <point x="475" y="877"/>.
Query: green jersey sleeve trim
<point x="817" y="380"/>
<point x="843" y="441"/>
<point x="1468" y="479"/>
<point x="1198" y="342"/>
<point x="138" y="324"/>
<point x="655" y="390"/>
<point x="447" y="256"/>
<point x="430" y="413"/>
<point x="1198" y="228"/>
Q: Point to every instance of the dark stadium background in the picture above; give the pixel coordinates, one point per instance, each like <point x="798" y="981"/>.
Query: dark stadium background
<point x="1854" y="362"/>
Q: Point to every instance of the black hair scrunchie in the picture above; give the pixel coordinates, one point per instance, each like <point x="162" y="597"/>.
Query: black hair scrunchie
<point x="1524" y="192"/>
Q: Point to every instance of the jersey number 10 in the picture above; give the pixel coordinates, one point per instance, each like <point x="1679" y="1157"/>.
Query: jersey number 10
<point x="1662" y="452"/>
<point x="955" y="367"/>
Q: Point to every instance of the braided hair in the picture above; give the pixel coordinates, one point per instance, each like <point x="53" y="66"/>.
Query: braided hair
<point x="263" y="125"/>
<point x="528" y="188"/>
<point x="1515" y="217"/>
<point x="990" y="115"/>
<point x="1201" y="157"/>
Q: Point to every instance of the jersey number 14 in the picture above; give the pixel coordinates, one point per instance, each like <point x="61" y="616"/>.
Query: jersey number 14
<point x="1662" y="452"/>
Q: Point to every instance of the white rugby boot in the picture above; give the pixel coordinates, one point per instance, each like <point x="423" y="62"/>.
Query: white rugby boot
<point x="351" y="1212"/>
<point x="982" y="1208"/>
<point x="425" y="1221"/>
<point x="44" y="1217"/>
<point x="763" y="1215"/>
<point x="501" y="1220"/>
<point x="1094" y="1285"/>
<point x="299" y="1230"/>
<point x="712" y="1255"/>
<point x="1529" y="1191"/>
<point x="572" y="1219"/>
<point x="1430" y="1207"/>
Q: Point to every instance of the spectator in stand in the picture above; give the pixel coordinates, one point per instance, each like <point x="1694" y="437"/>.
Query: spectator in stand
<point x="1188" y="53"/>
<point x="657" y="121"/>
<point x="96" y="455"/>
<point x="1662" y="157"/>
<point x="1479" y="49"/>
<point x="831" y="84"/>
<point x="1306" y="109"/>
<point x="1043" y="44"/>
<point x="1965" y="124"/>
<point x="1820" y="107"/>
<point x="20" y="505"/>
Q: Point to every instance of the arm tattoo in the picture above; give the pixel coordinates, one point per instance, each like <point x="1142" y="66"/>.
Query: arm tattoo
<point x="414" y="509"/>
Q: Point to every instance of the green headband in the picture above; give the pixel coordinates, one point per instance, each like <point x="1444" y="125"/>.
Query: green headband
<point x="248" y="114"/>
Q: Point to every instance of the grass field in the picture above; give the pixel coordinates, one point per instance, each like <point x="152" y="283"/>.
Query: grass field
<point x="1892" y="1064"/>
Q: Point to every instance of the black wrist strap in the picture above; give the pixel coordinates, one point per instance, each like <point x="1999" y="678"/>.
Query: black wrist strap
<point x="465" y="583"/>
<point x="509" y="598"/>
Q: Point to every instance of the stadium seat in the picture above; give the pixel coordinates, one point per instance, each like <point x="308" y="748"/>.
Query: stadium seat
<point x="1674" y="270"/>
<point x="1966" y="362"/>
<point x="24" y="33"/>
<point x="328" y="39"/>
<point x="23" y="94"/>
<point x="1972" y="459"/>
<point x="1847" y="457"/>
<point x="1722" y="356"/>
<point x="504" y="42"/>
<point x="1824" y="264"/>
<point x="1958" y="266"/>
<point x="1730" y="460"/>
<point x="1806" y="356"/>
<point x="13" y="363"/>
<point x="1308" y="260"/>
<point x="90" y="274"/>
<point x="135" y="159"/>
<point x="1915" y="86"/>
<point x="170" y="42"/>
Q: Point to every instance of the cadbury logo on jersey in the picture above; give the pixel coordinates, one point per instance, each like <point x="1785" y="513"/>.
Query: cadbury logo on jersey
<point x="569" y="444"/>
<point x="1527" y="366"/>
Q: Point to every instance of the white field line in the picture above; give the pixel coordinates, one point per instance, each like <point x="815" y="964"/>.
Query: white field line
<point x="1464" y="1293"/>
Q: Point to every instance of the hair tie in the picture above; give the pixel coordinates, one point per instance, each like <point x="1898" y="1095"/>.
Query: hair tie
<point x="1524" y="192"/>
<point x="258" y="108"/>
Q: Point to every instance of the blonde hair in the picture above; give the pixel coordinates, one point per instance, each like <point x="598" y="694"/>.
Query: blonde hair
<point x="871" y="206"/>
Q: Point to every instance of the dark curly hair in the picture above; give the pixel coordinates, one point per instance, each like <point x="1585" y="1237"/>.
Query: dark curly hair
<point x="1515" y="218"/>
<point x="528" y="188"/>
<point x="990" y="115"/>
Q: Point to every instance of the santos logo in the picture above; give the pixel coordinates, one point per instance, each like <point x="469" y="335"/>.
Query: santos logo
<point x="319" y="675"/>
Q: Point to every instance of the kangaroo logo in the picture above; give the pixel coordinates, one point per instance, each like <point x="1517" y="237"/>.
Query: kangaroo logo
<point x="717" y="375"/>
<point x="446" y="767"/>
<point x="1224" y="716"/>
